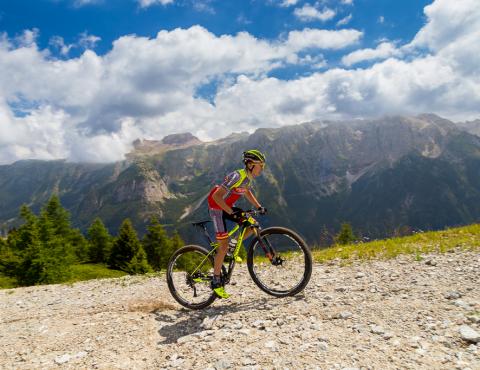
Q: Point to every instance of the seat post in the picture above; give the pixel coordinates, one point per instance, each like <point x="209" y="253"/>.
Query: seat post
<point x="205" y="232"/>
<point x="207" y="235"/>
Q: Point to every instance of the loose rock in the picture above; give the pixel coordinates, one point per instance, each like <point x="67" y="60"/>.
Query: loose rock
<point x="469" y="334"/>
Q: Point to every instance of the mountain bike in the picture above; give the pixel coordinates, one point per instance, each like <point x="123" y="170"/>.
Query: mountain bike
<point x="278" y="261"/>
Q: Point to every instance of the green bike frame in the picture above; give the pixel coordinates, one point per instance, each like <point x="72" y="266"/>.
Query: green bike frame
<point x="240" y="229"/>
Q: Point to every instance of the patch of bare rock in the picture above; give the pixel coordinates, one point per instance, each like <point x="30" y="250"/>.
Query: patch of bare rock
<point x="395" y="314"/>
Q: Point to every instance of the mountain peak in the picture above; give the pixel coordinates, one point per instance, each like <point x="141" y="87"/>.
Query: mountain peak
<point x="181" y="139"/>
<point x="144" y="147"/>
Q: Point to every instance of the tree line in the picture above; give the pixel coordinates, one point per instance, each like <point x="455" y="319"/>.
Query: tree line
<point x="46" y="246"/>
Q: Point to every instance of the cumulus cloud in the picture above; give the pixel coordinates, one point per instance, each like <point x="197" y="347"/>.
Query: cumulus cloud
<point x="142" y="88"/>
<point x="383" y="51"/>
<point x="322" y="39"/>
<point x="92" y="107"/>
<point x="309" y="13"/>
<point x="448" y="22"/>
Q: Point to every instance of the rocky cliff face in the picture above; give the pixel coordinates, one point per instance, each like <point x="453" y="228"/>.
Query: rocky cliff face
<point x="143" y="147"/>
<point x="420" y="172"/>
<point x="473" y="127"/>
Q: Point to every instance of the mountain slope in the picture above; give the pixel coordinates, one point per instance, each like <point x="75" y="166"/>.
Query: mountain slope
<point x="381" y="175"/>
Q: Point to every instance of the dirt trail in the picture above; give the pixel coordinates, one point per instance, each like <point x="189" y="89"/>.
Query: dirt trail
<point x="396" y="314"/>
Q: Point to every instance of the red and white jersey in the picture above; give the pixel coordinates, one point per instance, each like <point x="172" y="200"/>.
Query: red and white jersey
<point x="236" y="183"/>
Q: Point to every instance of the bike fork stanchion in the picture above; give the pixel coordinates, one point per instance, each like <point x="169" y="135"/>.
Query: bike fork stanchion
<point x="269" y="253"/>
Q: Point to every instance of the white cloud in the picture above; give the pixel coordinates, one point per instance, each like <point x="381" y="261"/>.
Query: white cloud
<point x="85" y="2"/>
<point x="27" y="38"/>
<point x="382" y="51"/>
<point x="287" y="3"/>
<point x="309" y="13"/>
<point x="147" y="3"/>
<point x="87" y="41"/>
<point x="345" y="20"/>
<point x="322" y="39"/>
<point x="59" y="43"/>
<point x="447" y="22"/>
<point x="142" y="88"/>
<point x="242" y="19"/>
<point x="381" y="19"/>
<point x="92" y="107"/>
<point x="347" y="2"/>
<point x="203" y="6"/>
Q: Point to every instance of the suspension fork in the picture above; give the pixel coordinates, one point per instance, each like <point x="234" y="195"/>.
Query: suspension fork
<point x="267" y="248"/>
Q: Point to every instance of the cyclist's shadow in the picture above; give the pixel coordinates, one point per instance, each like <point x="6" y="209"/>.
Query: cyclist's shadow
<point x="177" y="324"/>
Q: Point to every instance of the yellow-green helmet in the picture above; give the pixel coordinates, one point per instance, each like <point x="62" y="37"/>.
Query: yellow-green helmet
<point x="253" y="155"/>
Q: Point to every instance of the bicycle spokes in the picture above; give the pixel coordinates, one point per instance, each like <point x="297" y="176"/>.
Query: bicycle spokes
<point x="192" y="275"/>
<point x="278" y="262"/>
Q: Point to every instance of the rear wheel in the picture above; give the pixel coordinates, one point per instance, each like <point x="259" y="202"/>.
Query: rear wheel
<point x="279" y="262"/>
<point x="189" y="274"/>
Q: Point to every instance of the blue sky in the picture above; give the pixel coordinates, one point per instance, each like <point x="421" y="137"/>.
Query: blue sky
<point x="82" y="79"/>
<point x="266" y="19"/>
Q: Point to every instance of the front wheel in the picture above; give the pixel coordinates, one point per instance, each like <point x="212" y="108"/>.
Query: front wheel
<point x="189" y="274"/>
<point x="279" y="262"/>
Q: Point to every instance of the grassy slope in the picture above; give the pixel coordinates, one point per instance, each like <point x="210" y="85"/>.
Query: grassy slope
<point x="80" y="272"/>
<point x="89" y="271"/>
<point x="466" y="238"/>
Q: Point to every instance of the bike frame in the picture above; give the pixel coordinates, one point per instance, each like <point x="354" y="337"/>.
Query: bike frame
<point x="237" y="230"/>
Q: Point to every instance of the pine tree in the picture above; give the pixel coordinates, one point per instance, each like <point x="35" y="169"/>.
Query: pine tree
<point x="26" y="233"/>
<point x="100" y="242"/>
<point x="177" y="241"/>
<point x="44" y="256"/>
<point x="21" y="243"/>
<point x="127" y="251"/>
<point x="10" y="254"/>
<point x="157" y="245"/>
<point x="59" y="216"/>
<point x="60" y="219"/>
<point x="345" y="236"/>
<point x="9" y="261"/>
<point x="79" y="245"/>
<point x="46" y="263"/>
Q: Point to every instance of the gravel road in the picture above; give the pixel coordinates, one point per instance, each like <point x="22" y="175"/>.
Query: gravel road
<point x="395" y="314"/>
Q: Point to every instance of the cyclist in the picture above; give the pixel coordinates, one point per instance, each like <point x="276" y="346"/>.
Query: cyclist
<point x="221" y="200"/>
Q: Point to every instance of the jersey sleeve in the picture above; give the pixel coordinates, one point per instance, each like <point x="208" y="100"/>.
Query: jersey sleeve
<point x="230" y="180"/>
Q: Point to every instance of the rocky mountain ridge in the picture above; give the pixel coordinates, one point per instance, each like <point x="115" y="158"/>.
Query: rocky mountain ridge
<point x="380" y="175"/>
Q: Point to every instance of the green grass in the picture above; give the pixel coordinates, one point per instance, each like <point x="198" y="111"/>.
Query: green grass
<point x="464" y="238"/>
<point x="7" y="282"/>
<point x="80" y="272"/>
<point x="89" y="271"/>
